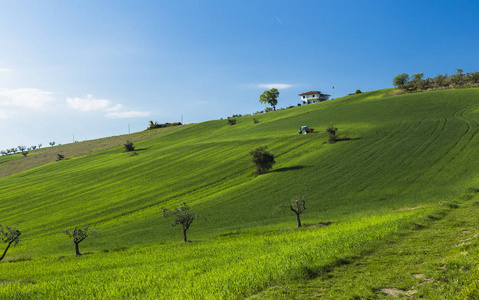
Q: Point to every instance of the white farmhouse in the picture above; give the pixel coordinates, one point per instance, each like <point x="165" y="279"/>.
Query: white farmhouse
<point x="313" y="97"/>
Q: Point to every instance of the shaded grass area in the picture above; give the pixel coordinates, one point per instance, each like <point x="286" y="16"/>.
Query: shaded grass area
<point x="434" y="258"/>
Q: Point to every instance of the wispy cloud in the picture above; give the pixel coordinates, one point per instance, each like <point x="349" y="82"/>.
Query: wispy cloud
<point x="25" y="98"/>
<point x="127" y="114"/>
<point x="112" y="109"/>
<point x="278" y="86"/>
<point x="279" y="20"/>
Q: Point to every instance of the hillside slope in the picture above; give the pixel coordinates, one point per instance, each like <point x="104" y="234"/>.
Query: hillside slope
<point x="407" y="156"/>
<point x="405" y="151"/>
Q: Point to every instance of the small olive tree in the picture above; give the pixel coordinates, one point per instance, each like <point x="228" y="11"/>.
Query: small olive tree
<point x="129" y="146"/>
<point x="79" y="235"/>
<point x="9" y="235"/>
<point x="263" y="159"/>
<point x="297" y="206"/>
<point x="331" y="131"/>
<point x="182" y="216"/>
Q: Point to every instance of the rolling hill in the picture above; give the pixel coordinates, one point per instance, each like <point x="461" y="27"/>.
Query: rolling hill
<point x="406" y="154"/>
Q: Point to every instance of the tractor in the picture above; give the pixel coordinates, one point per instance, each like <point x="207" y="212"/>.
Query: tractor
<point x="305" y="130"/>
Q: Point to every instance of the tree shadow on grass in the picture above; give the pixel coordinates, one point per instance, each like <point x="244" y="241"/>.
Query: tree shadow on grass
<point x="288" y="169"/>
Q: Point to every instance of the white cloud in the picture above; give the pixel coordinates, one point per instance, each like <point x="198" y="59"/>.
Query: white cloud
<point x="113" y="110"/>
<point x="278" y="86"/>
<point x="25" y="98"/>
<point x="5" y="70"/>
<point x="88" y="103"/>
<point x="127" y="114"/>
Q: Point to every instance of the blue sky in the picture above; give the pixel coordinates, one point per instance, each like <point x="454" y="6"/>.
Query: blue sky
<point x="90" y="69"/>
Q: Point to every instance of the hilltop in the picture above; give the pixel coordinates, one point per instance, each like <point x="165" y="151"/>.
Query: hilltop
<point x="407" y="155"/>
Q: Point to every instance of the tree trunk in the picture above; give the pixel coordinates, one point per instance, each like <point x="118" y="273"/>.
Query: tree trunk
<point x="5" y="252"/>
<point x="77" y="250"/>
<point x="184" y="236"/>
<point x="298" y="220"/>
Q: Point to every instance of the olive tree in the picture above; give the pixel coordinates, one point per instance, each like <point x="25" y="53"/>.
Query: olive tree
<point x="79" y="235"/>
<point x="9" y="235"/>
<point x="297" y="205"/>
<point x="129" y="146"/>
<point x="182" y="216"/>
<point x="401" y="80"/>
<point x="270" y="97"/>
<point x="263" y="159"/>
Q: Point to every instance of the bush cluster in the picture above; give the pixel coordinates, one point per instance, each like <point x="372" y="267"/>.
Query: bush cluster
<point x="154" y="125"/>
<point x="416" y="82"/>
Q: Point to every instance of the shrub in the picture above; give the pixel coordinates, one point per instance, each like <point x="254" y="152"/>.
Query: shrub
<point x="60" y="156"/>
<point x="255" y="121"/>
<point x="262" y="159"/>
<point x="358" y="91"/>
<point x="129" y="146"/>
<point x="231" y="121"/>
<point x="331" y="131"/>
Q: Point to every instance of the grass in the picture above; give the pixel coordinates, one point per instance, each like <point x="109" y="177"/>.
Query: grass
<point x="434" y="259"/>
<point x="406" y="152"/>
<point x="226" y="267"/>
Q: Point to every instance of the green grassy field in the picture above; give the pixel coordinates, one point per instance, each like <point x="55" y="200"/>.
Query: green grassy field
<point x="406" y="154"/>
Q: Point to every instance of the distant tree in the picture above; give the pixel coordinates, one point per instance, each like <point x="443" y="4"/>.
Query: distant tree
<point x="52" y="144"/>
<point x="24" y="153"/>
<point x="358" y="91"/>
<point x="255" y="121"/>
<point x="418" y="81"/>
<point x="39" y="146"/>
<point x="13" y="150"/>
<point x="474" y="76"/>
<point x="182" y="216"/>
<point x="297" y="205"/>
<point x="263" y="159"/>
<point x="10" y="236"/>
<point x="268" y="109"/>
<point x="331" y="131"/>
<point x="3" y="152"/>
<point x="21" y="148"/>
<point x="439" y="79"/>
<point x="231" y="121"/>
<point x="270" y="97"/>
<point x="60" y="156"/>
<point x="129" y="146"/>
<point x="457" y="78"/>
<point x="79" y="235"/>
<point x="401" y="80"/>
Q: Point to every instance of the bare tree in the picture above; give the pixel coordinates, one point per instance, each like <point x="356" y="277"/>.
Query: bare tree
<point x="52" y="144"/>
<point x="79" y="235"/>
<point x="10" y="236"/>
<point x="297" y="206"/>
<point x="182" y="217"/>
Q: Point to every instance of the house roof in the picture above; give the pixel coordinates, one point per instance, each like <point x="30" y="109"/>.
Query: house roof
<point x="312" y="93"/>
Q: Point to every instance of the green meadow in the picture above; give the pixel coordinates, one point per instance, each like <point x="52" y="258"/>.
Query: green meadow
<point x="407" y="156"/>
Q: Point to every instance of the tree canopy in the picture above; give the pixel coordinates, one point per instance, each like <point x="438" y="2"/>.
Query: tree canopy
<point x="270" y="97"/>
